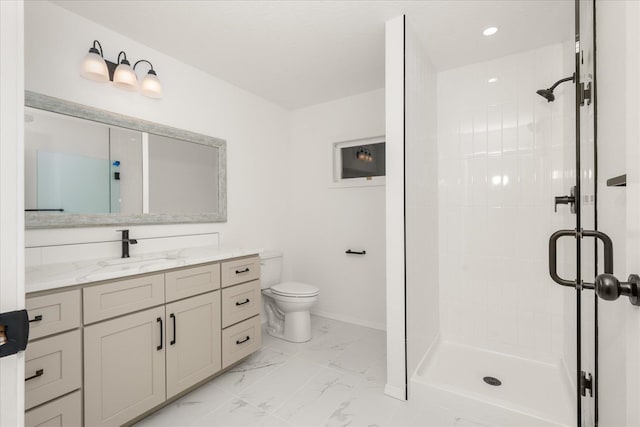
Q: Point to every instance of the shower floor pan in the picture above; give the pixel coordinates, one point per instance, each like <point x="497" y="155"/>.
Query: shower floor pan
<point x="531" y="394"/>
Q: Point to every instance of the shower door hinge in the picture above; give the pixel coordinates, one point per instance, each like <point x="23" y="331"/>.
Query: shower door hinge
<point x="585" y="94"/>
<point x="586" y="383"/>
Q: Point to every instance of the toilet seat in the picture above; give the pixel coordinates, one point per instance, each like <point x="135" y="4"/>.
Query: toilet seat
<point x="294" y="289"/>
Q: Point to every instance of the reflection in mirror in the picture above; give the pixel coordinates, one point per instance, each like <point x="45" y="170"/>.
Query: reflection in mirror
<point x="175" y="166"/>
<point x="87" y="167"/>
<point x="79" y="166"/>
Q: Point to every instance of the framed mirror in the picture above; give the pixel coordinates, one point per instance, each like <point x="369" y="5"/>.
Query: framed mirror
<point x="89" y="167"/>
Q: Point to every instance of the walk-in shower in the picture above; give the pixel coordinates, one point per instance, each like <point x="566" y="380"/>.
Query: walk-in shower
<point x="506" y="348"/>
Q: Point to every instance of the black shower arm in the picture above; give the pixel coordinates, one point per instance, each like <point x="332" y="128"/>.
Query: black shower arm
<point x="566" y="79"/>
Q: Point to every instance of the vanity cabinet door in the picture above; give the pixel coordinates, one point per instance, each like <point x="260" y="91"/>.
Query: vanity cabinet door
<point x="193" y="341"/>
<point x="124" y="367"/>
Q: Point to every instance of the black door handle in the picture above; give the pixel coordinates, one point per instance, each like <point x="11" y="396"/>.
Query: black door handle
<point x="553" y="252"/>
<point x="173" y="341"/>
<point x="609" y="288"/>
<point x="159" y="320"/>
<point x="553" y="257"/>
<point x="246" y="270"/>
<point x="243" y="302"/>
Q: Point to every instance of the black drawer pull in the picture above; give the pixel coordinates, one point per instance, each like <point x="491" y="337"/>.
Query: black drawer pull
<point x="246" y="270"/>
<point x="244" y="340"/>
<point x="159" y="320"/>
<point x="36" y="319"/>
<point x="173" y="341"/>
<point x="243" y="302"/>
<point x="39" y="373"/>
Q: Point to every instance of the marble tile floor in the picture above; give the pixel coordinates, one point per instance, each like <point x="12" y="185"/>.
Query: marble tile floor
<point x="336" y="379"/>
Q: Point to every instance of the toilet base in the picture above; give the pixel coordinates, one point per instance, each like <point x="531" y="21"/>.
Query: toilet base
<point x="297" y="327"/>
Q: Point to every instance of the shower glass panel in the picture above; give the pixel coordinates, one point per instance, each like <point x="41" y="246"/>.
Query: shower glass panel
<point x="585" y="58"/>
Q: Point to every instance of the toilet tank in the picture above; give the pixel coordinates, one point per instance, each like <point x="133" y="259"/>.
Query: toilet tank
<point x="270" y="268"/>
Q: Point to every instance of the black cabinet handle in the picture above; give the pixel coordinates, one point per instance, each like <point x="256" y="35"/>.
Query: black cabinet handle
<point x="349" y="251"/>
<point x="159" y="320"/>
<point x="39" y="373"/>
<point x="246" y="270"/>
<point x="173" y="341"/>
<point x="243" y="302"/>
<point x="36" y="319"/>
<point x="244" y="340"/>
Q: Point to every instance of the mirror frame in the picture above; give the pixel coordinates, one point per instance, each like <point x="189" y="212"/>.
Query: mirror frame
<point x="39" y="220"/>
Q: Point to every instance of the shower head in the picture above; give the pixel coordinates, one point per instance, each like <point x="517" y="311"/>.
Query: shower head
<point x="548" y="93"/>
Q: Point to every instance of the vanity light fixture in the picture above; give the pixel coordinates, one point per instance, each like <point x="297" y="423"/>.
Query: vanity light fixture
<point x="95" y="67"/>
<point x="150" y="85"/>
<point x="124" y="77"/>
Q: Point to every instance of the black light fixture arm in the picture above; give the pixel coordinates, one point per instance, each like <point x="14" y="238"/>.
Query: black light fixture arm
<point x="151" y="71"/>
<point x="96" y="42"/>
<point x="566" y="79"/>
<point x="124" y="60"/>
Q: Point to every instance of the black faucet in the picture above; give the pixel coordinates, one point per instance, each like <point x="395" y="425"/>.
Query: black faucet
<point x="126" y="241"/>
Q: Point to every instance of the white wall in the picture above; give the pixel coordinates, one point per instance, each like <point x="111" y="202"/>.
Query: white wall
<point x="11" y="194"/>
<point x="325" y="221"/>
<point x="618" y="142"/>
<point x="501" y="151"/>
<point x="396" y="385"/>
<point x="256" y="131"/>
<point x="421" y="189"/>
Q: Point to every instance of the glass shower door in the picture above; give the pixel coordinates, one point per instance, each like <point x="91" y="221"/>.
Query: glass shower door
<point x="586" y="124"/>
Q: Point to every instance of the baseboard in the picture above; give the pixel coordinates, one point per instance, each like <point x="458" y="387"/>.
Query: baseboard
<point x="348" y="319"/>
<point x="395" y="392"/>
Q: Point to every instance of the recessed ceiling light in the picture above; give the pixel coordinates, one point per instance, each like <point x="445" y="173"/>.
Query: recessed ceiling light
<point x="493" y="80"/>
<point x="490" y="31"/>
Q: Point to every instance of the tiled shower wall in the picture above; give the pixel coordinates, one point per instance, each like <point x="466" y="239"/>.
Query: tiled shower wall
<point x="500" y="165"/>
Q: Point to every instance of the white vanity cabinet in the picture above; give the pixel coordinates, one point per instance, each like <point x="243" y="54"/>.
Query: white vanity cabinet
<point x="241" y="302"/>
<point x="53" y="368"/>
<point x="124" y="363"/>
<point x="193" y="341"/>
<point x="126" y="347"/>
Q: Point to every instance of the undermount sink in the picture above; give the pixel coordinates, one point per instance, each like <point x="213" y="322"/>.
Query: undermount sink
<point x="134" y="265"/>
<point x="136" y="260"/>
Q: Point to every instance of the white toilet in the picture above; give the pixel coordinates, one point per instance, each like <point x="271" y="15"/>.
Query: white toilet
<point x="287" y="304"/>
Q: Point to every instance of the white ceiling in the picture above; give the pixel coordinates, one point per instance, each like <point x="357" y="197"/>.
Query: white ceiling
<point x="300" y="53"/>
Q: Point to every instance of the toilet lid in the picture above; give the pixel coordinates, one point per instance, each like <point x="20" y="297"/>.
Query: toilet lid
<point x="295" y="289"/>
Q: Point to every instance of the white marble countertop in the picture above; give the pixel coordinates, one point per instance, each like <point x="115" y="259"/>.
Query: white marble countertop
<point x="54" y="276"/>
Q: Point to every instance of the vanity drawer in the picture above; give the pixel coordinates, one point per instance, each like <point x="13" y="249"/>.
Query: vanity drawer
<point x="56" y="313"/>
<point x="240" y="271"/>
<point x="240" y="340"/>
<point x="122" y="297"/>
<point x="52" y="368"/>
<point x="240" y="302"/>
<point x="192" y="281"/>
<point x="63" y="412"/>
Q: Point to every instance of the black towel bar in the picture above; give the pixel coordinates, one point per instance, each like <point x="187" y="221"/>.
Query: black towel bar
<point x="349" y="251"/>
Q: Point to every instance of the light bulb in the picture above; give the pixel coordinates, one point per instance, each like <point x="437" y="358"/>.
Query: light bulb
<point x="151" y="86"/>
<point x="124" y="77"/>
<point x="94" y="67"/>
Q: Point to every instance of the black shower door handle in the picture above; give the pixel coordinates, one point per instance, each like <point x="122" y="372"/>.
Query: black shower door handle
<point x="553" y="254"/>
<point x="553" y="257"/>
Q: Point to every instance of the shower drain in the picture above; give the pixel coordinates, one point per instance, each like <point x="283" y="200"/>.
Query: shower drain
<point x="492" y="381"/>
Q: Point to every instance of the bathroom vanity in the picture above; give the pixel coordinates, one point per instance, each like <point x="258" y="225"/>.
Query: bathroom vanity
<point x="114" y="340"/>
